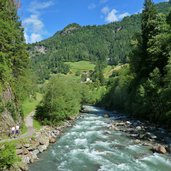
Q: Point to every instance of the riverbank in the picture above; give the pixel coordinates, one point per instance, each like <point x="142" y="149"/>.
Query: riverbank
<point x="144" y="133"/>
<point x="90" y="144"/>
<point x="28" y="149"/>
<point x="154" y="138"/>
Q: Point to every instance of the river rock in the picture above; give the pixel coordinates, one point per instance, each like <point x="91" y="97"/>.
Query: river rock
<point x="19" y="151"/>
<point x="33" y="156"/>
<point x="23" y="166"/>
<point x="26" y="145"/>
<point x="53" y="134"/>
<point x="113" y="127"/>
<point x="128" y="123"/>
<point x="146" y="144"/>
<point x="36" y="152"/>
<point x="42" y="148"/>
<point x="138" y="128"/>
<point x="19" y="146"/>
<point x="25" y="159"/>
<point x="33" y="146"/>
<point x="107" y="133"/>
<point x="159" y="149"/>
<point x="134" y="135"/>
<point x="25" y="151"/>
<point x="70" y="118"/>
<point x="44" y="140"/>
<point x="137" y="141"/>
<point x="52" y="140"/>
<point x="120" y="124"/>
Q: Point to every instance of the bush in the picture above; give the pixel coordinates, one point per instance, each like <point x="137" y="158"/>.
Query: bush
<point x="8" y="156"/>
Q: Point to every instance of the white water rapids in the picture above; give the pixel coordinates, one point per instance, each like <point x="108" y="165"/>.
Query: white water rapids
<point x="90" y="146"/>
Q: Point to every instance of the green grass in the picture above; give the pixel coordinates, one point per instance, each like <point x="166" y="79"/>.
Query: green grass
<point x="23" y="129"/>
<point x="37" y="125"/>
<point x="29" y="105"/>
<point x="80" y="66"/>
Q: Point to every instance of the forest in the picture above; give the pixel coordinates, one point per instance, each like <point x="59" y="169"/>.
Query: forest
<point x="142" y="88"/>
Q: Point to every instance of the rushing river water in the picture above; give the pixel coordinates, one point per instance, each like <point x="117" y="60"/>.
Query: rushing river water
<point x="90" y="146"/>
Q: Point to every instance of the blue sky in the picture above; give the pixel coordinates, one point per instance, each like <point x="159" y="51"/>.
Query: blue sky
<point x="42" y="18"/>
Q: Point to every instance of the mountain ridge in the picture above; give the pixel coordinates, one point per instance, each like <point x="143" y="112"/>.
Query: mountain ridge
<point x="109" y="43"/>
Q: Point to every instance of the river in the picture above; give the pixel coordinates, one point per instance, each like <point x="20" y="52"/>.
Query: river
<point x="90" y="146"/>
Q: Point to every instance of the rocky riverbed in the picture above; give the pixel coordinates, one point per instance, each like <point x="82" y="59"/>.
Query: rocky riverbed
<point x="144" y="133"/>
<point x="107" y="141"/>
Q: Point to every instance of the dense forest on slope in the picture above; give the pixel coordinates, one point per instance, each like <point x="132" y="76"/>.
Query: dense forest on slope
<point x="15" y="77"/>
<point x="143" y="87"/>
<point x="109" y="44"/>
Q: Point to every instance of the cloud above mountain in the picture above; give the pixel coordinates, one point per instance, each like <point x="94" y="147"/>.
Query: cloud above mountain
<point x="33" y="24"/>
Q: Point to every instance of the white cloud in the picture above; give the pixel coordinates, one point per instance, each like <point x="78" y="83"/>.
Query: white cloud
<point x="35" y="37"/>
<point x="105" y="10"/>
<point x="121" y="16"/>
<point x="34" y="26"/>
<point x="113" y="15"/>
<point x="36" y="6"/>
<point x="26" y="36"/>
<point x="33" y="23"/>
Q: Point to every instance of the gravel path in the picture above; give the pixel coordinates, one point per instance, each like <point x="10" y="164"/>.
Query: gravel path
<point x="30" y="129"/>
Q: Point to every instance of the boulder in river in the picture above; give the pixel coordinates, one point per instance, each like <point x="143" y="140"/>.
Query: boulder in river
<point x="137" y="141"/>
<point x="139" y="128"/>
<point x="159" y="149"/>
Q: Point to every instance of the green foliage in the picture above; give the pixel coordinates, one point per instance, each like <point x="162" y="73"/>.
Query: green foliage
<point x="117" y="94"/>
<point x="145" y="89"/>
<point x="8" y="156"/>
<point x="62" y="99"/>
<point x="37" y="125"/>
<point x="92" y="93"/>
<point x="12" y="109"/>
<point x="15" y="74"/>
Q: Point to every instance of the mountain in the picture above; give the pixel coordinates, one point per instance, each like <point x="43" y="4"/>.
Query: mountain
<point x="110" y="44"/>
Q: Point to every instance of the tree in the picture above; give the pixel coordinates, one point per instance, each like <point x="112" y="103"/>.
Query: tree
<point x="147" y="26"/>
<point x="62" y="99"/>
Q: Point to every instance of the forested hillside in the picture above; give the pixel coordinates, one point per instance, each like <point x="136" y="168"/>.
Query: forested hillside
<point x="110" y="44"/>
<point x="143" y="87"/>
<point x="15" y="77"/>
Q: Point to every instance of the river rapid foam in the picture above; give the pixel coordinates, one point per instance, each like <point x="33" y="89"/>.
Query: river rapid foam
<point x="90" y="146"/>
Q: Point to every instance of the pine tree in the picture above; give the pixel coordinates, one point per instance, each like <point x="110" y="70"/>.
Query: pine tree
<point x="148" y="16"/>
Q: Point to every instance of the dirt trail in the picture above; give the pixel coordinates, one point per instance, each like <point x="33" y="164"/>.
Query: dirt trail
<point x="30" y="129"/>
